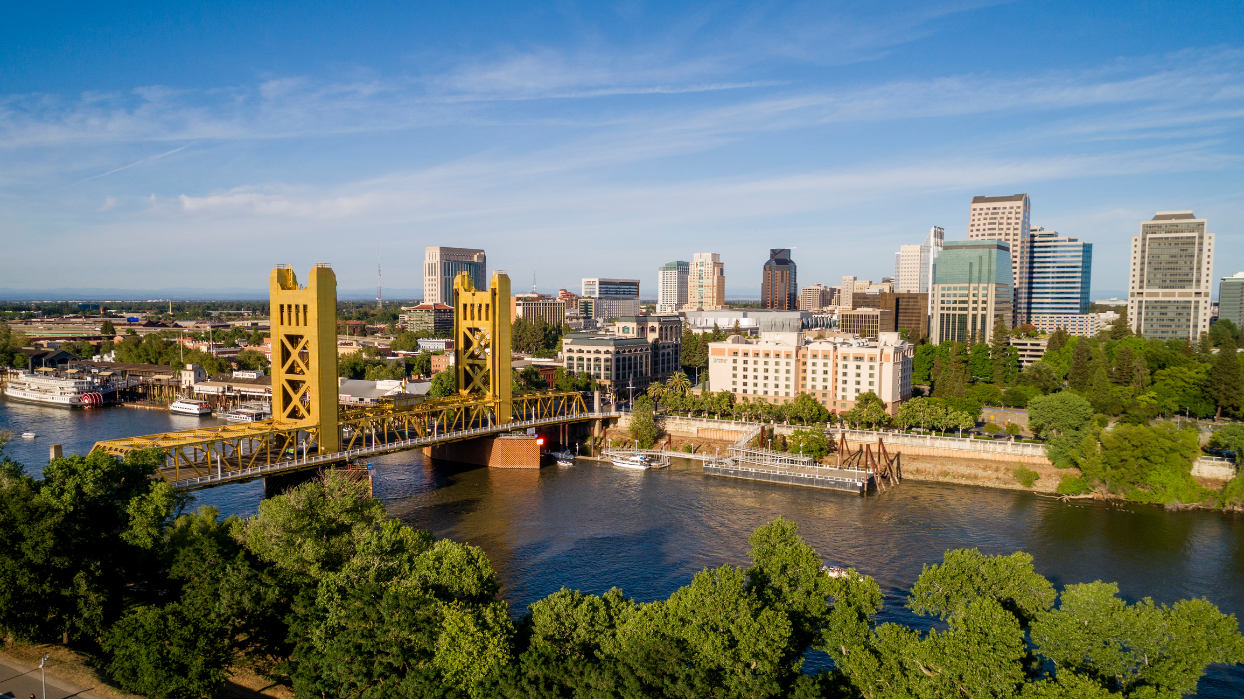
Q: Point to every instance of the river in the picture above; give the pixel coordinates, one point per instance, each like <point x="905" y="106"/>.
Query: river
<point x="593" y="526"/>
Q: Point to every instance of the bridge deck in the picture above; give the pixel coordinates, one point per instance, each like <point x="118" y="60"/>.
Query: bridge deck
<point x="259" y="471"/>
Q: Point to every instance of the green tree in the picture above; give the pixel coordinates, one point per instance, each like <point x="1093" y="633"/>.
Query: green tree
<point x="807" y="409"/>
<point x="422" y="365"/>
<point x="1119" y="328"/>
<point x="809" y="442"/>
<point x="1057" y="340"/>
<point x="1080" y="376"/>
<point x="1041" y="375"/>
<point x="107" y="329"/>
<point x="1001" y="359"/>
<point x="979" y="364"/>
<point x="1226" y="380"/>
<point x="1183" y="389"/>
<point x="252" y="359"/>
<point x="1151" y="463"/>
<point x="869" y="410"/>
<point x="1224" y="330"/>
<point x="1138" y="650"/>
<point x="163" y="652"/>
<point x="443" y="384"/>
<point x="1230" y="437"/>
<point x="644" y="428"/>
<point x="922" y="363"/>
<point x="1062" y="413"/>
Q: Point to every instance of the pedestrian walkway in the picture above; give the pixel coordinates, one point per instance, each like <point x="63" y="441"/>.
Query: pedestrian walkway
<point x="19" y="680"/>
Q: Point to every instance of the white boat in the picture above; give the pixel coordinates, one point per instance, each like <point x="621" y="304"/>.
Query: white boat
<point x="50" y="389"/>
<point x="190" y="407"/>
<point x="565" y="458"/>
<point x="634" y="461"/>
<point x="29" y="435"/>
<point x="248" y="413"/>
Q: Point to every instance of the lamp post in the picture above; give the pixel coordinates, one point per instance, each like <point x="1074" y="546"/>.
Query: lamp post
<point x="43" y="674"/>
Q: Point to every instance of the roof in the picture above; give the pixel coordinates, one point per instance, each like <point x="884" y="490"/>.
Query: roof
<point x="428" y="307"/>
<point x="1173" y="215"/>
<point x="598" y="339"/>
<point x="1005" y="198"/>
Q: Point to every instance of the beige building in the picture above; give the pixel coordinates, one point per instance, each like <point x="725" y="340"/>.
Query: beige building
<point x="706" y="282"/>
<point x="1029" y="349"/>
<point x="778" y="367"/>
<point x="907" y="268"/>
<point x="1171" y="277"/>
<point x="442" y="264"/>
<point x="629" y="354"/>
<point x="538" y="308"/>
<point x="1006" y="219"/>
<point x="816" y="298"/>
<point x="865" y="323"/>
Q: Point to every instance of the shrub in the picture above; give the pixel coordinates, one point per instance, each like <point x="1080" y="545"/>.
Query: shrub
<point x="992" y="428"/>
<point x="1025" y="476"/>
<point x="688" y="448"/>
<point x="1072" y="485"/>
<point x="1013" y="429"/>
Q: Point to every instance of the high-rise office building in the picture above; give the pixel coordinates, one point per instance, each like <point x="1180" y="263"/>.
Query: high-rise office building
<point x="1059" y="271"/>
<point x="672" y="286"/>
<point x="1231" y="298"/>
<point x="1170" y="281"/>
<point x="1006" y="219"/>
<point x="913" y="264"/>
<point x="909" y="312"/>
<point x="972" y="285"/>
<point x="779" y="288"/>
<point x="706" y="282"/>
<point x="442" y="264"/>
<point x="606" y="297"/>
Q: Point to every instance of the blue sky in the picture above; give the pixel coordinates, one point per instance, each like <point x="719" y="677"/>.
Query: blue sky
<point x="194" y="146"/>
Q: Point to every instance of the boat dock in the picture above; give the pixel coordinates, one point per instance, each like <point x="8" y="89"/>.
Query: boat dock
<point x="858" y="470"/>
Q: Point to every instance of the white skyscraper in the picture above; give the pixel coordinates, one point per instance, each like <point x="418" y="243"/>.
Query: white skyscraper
<point x="913" y="264"/>
<point x="672" y="286"/>
<point x="1171" y="277"/>
<point x="1006" y="219"/>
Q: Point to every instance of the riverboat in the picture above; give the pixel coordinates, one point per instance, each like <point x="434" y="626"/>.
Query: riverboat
<point x="634" y="461"/>
<point x="248" y="413"/>
<point x="29" y="435"/>
<point x="190" y="407"/>
<point x="50" y="389"/>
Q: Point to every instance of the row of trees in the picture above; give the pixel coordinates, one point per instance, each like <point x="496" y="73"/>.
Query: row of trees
<point x="321" y="591"/>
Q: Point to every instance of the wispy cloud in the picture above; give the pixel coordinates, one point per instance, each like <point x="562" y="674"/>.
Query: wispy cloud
<point x="135" y="164"/>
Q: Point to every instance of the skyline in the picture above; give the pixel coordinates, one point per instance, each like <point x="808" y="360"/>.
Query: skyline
<point x="190" y="148"/>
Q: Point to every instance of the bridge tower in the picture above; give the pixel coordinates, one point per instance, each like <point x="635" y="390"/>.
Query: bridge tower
<point x="304" y="353"/>
<point x="482" y="342"/>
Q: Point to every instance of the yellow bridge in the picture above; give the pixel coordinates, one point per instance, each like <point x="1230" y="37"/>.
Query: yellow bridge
<point x="309" y="430"/>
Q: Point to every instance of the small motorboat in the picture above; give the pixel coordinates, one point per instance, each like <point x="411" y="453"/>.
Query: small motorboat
<point x="565" y="458"/>
<point x="29" y="435"/>
<point x="634" y="461"/>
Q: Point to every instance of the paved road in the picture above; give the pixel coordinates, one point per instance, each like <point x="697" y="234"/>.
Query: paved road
<point x="22" y="681"/>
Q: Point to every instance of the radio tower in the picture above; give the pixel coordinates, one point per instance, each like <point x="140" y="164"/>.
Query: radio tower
<point x="379" y="296"/>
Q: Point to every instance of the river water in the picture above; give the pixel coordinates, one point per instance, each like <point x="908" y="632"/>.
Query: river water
<point x="593" y="526"/>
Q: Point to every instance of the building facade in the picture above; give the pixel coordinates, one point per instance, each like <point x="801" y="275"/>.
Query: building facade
<point x="780" y="367"/>
<point x="1084" y="325"/>
<point x="779" y="288"/>
<point x="538" y="308"/>
<point x="971" y="286"/>
<point x="909" y="312"/>
<point x="865" y="323"/>
<point x="907" y="268"/>
<point x="1170" y="281"/>
<point x="817" y="297"/>
<point x="430" y="319"/>
<point x="1006" y="219"/>
<point x="706" y="282"/>
<point x="1059" y="272"/>
<point x="1029" y="349"/>
<point x="607" y="297"/>
<point x="1231" y="298"/>
<point x="672" y="286"/>
<point x="629" y="354"/>
<point x="442" y="264"/>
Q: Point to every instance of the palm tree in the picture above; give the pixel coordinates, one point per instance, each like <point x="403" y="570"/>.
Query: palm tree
<point x="656" y="392"/>
<point x="678" y="382"/>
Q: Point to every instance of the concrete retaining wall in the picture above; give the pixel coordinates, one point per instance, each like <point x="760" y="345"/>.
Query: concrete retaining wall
<point x="1214" y="469"/>
<point x="506" y="451"/>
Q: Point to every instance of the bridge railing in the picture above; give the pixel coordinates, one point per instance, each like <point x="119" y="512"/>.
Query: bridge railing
<point x="307" y="461"/>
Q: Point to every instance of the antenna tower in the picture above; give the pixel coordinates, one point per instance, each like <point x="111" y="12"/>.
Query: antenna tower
<point x="379" y="295"/>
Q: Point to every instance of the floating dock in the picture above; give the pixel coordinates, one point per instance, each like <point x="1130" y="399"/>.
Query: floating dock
<point x="849" y="480"/>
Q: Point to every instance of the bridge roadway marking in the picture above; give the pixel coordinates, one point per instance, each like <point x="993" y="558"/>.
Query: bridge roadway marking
<point x="255" y="472"/>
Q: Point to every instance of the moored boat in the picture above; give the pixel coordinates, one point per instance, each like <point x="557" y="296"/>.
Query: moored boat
<point x="248" y="413"/>
<point x="29" y="435"/>
<point x="565" y="458"/>
<point x="52" y="389"/>
<point x="632" y="461"/>
<point x="191" y="407"/>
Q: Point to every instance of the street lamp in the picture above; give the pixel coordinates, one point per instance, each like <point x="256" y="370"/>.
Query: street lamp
<point x="43" y="674"/>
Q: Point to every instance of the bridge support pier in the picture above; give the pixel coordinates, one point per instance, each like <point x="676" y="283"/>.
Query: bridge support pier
<point x="504" y="451"/>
